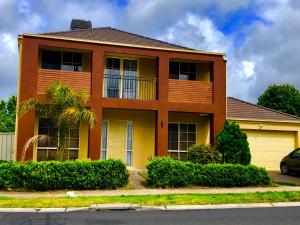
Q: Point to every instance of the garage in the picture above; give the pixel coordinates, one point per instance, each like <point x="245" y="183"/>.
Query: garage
<point x="271" y="134"/>
<point x="269" y="147"/>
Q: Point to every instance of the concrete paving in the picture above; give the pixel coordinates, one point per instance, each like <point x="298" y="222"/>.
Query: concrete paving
<point x="135" y="180"/>
<point x="291" y="178"/>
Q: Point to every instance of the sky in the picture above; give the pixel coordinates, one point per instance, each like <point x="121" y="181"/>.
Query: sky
<point x="259" y="37"/>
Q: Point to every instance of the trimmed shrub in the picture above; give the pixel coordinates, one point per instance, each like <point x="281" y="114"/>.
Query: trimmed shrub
<point x="166" y="172"/>
<point x="54" y="175"/>
<point x="203" y="154"/>
<point x="230" y="175"/>
<point x="233" y="144"/>
<point x="11" y="175"/>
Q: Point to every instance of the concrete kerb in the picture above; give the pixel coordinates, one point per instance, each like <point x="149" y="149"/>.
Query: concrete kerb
<point x="109" y="207"/>
<point x="99" y="207"/>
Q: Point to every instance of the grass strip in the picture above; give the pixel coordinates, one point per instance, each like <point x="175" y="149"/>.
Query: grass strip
<point x="172" y="199"/>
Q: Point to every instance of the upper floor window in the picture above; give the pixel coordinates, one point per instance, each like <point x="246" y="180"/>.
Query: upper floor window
<point x="182" y="70"/>
<point x="57" y="60"/>
<point x="113" y="66"/>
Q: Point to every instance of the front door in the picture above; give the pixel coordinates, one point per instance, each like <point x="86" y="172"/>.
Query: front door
<point x="117" y="140"/>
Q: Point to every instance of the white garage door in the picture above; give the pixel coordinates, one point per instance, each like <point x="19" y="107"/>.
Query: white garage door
<point x="269" y="147"/>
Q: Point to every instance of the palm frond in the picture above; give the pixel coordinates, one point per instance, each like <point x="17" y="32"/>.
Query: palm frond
<point x="70" y="116"/>
<point x="81" y="98"/>
<point x="37" y="139"/>
<point x="27" y="105"/>
<point x="88" y="116"/>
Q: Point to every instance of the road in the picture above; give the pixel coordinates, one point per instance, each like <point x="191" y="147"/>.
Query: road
<point x="256" y="216"/>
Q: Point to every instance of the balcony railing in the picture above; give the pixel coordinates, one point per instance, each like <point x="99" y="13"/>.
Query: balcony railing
<point x="129" y="87"/>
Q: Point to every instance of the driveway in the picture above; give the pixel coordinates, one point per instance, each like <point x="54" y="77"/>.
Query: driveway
<point x="278" y="177"/>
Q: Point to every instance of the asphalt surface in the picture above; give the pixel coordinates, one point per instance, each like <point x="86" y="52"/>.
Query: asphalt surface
<point x="254" y="216"/>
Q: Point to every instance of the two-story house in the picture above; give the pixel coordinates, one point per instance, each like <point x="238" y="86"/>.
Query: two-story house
<point x="151" y="98"/>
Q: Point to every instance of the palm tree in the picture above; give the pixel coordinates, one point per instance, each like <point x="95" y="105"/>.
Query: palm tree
<point x="66" y="108"/>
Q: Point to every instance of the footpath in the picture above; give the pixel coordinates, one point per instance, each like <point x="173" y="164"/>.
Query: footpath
<point x="148" y="191"/>
<point x="123" y="192"/>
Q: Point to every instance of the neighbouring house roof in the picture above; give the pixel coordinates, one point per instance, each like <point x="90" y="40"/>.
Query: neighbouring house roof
<point x="113" y="35"/>
<point x="239" y="109"/>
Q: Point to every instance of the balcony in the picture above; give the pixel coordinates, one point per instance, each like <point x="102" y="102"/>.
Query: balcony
<point x="80" y="81"/>
<point x="190" y="91"/>
<point x="129" y="87"/>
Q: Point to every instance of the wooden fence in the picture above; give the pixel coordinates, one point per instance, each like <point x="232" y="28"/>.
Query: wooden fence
<point x="7" y="143"/>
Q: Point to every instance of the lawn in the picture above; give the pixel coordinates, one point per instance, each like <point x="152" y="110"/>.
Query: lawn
<point x="176" y="199"/>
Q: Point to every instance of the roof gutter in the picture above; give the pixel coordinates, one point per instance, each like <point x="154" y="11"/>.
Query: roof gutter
<point x="120" y="44"/>
<point x="263" y="120"/>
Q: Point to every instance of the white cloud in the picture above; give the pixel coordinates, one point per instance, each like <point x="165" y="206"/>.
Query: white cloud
<point x="6" y="11"/>
<point x="198" y="33"/>
<point x="270" y="52"/>
<point x="151" y="17"/>
<point x="274" y="47"/>
<point x="248" y="68"/>
<point x="8" y="65"/>
<point x="7" y="44"/>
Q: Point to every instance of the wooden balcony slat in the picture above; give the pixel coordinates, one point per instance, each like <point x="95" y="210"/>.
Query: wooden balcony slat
<point x="190" y="91"/>
<point x="80" y="81"/>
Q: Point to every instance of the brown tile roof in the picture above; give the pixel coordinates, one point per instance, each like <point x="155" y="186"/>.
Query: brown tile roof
<point x="108" y="34"/>
<point x="239" y="109"/>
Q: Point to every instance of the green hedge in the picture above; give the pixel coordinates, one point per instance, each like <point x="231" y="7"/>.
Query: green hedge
<point x="166" y="172"/>
<point x="54" y="175"/>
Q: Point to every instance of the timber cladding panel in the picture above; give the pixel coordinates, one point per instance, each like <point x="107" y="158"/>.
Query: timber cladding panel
<point x="80" y="81"/>
<point x="190" y="91"/>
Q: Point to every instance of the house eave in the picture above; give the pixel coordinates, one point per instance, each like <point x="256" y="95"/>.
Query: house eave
<point x="121" y="44"/>
<point x="262" y="120"/>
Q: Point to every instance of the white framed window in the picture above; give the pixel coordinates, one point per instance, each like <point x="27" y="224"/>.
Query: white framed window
<point x="129" y="135"/>
<point x="180" y="137"/>
<point x="48" y="149"/>
<point x="104" y="134"/>
<point x="112" y="75"/>
<point x="121" y="78"/>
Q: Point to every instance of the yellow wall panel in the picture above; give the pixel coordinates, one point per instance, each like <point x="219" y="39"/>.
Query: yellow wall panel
<point x="147" y="67"/>
<point x="87" y="62"/>
<point x="147" y="73"/>
<point x="203" y="71"/>
<point x="83" y="141"/>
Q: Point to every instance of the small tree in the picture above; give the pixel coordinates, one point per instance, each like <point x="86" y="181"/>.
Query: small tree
<point x="66" y="108"/>
<point x="283" y="97"/>
<point x="233" y="144"/>
<point x="203" y="154"/>
<point x="8" y="114"/>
